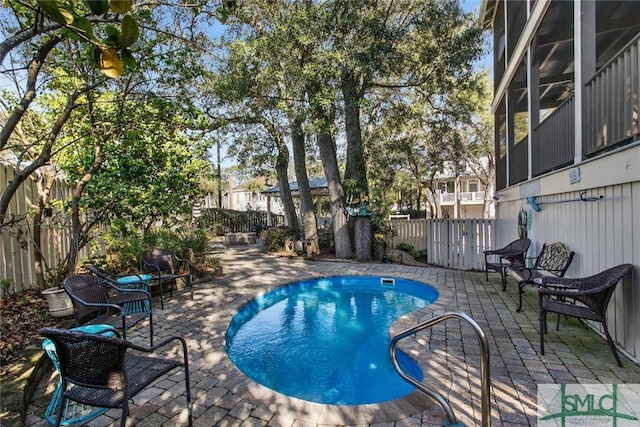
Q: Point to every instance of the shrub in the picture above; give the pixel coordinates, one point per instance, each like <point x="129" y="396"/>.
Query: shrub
<point x="124" y="252"/>
<point x="405" y="247"/>
<point x="276" y="238"/>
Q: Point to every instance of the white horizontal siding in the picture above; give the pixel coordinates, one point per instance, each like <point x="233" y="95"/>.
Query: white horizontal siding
<point x="603" y="233"/>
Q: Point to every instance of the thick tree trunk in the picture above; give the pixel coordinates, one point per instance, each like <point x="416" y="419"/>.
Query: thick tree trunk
<point x="282" y="166"/>
<point x="324" y="121"/>
<point x="356" y="168"/>
<point x="336" y="196"/>
<point x="363" y="237"/>
<point x="307" y="213"/>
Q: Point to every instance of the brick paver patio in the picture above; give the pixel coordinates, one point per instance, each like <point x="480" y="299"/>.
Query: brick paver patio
<point x="449" y="353"/>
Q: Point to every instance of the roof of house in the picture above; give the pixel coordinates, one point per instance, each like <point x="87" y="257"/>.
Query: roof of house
<point x="318" y="186"/>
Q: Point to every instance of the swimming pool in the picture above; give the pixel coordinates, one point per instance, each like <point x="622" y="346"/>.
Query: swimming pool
<point x="327" y="340"/>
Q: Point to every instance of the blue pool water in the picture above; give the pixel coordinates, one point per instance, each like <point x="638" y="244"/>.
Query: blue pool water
<point x="327" y="340"/>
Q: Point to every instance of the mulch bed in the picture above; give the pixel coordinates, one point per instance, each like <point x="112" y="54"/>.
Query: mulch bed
<point x="22" y="315"/>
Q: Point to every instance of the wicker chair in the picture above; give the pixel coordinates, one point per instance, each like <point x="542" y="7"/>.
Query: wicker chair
<point x="514" y="252"/>
<point x="165" y="266"/>
<point x="107" y="275"/>
<point x="585" y="298"/>
<point x="99" y="301"/>
<point x="98" y="370"/>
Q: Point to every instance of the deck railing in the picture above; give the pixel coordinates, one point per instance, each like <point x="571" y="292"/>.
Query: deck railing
<point x="519" y="162"/>
<point x="552" y="145"/>
<point x="613" y="97"/>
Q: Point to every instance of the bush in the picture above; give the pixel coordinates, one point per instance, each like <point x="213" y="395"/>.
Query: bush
<point x="405" y="247"/>
<point x="276" y="238"/>
<point x="421" y="254"/>
<point x="124" y="252"/>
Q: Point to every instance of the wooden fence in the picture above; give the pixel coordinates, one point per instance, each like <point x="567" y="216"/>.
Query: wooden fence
<point x="453" y="243"/>
<point x="230" y="221"/>
<point x="17" y="248"/>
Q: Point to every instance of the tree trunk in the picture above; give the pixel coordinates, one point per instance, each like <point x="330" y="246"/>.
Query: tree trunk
<point x="336" y="196"/>
<point x="282" y="166"/>
<point x="363" y="237"/>
<point x="356" y="169"/>
<point x="324" y="120"/>
<point x="307" y="213"/>
<point x="30" y="91"/>
<point x="43" y="196"/>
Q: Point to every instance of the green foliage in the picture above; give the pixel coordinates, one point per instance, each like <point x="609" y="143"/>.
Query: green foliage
<point x="124" y="250"/>
<point x="380" y="227"/>
<point x="276" y="238"/>
<point x="86" y="22"/>
<point x="5" y="284"/>
<point x="421" y="254"/>
<point x="405" y="247"/>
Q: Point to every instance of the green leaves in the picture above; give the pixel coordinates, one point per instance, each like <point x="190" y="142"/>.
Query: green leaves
<point x="130" y="32"/>
<point x="55" y="11"/>
<point x="97" y="7"/>
<point x="112" y="53"/>
<point x="121" y="6"/>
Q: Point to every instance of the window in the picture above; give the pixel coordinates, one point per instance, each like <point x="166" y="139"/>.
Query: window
<point x="501" y="130"/>
<point x="518" y="96"/>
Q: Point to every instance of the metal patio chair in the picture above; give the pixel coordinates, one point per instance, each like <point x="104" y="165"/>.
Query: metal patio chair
<point x="98" y="301"/>
<point x="585" y="298"/>
<point x="505" y="257"/>
<point x="101" y="371"/>
<point x="165" y="266"/>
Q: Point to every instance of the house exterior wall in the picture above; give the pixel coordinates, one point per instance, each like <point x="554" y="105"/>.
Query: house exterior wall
<point x="603" y="233"/>
<point x="551" y="66"/>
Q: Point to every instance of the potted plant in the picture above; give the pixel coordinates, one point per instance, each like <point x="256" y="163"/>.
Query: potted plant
<point x="60" y="304"/>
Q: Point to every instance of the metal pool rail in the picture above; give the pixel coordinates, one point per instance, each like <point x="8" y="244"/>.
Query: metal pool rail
<point x="485" y="386"/>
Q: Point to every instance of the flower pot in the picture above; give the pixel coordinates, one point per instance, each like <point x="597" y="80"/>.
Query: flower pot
<point x="59" y="302"/>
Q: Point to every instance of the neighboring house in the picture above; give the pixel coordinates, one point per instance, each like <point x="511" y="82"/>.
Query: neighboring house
<point x="239" y="198"/>
<point x="318" y="187"/>
<point x="566" y="105"/>
<point x="465" y="201"/>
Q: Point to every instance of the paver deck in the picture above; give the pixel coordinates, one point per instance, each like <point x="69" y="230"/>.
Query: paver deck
<point x="448" y="353"/>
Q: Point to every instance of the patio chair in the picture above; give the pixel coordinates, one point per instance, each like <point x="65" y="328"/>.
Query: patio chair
<point x="100" y="371"/>
<point x="165" y="266"/>
<point x="505" y="257"/>
<point x="107" y="275"/>
<point x="585" y="298"/>
<point x="128" y="281"/>
<point x="98" y="301"/>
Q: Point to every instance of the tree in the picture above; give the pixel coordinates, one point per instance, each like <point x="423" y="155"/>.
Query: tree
<point x="71" y="56"/>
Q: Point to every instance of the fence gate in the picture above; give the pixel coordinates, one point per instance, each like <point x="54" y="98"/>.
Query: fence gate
<point x="459" y="243"/>
<point x="453" y="243"/>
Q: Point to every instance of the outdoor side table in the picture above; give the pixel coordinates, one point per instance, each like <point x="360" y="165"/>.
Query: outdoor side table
<point x="73" y="412"/>
<point x="135" y="282"/>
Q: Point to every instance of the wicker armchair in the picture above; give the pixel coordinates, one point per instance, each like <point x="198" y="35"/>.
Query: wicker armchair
<point x="99" y="301"/>
<point x="113" y="277"/>
<point x="100" y="371"/>
<point x="514" y="252"/>
<point x="165" y="266"/>
<point x="585" y="298"/>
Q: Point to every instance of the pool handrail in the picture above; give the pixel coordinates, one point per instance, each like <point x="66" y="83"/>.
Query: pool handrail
<point x="485" y="385"/>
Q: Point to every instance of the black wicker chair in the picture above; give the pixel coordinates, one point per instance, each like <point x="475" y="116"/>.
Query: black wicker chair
<point x="107" y="275"/>
<point x="514" y="252"/>
<point x="99" y="371"/>
<point x="585" y="298"/>
<point x="165" y="266"/>
<point x="98" y="301"/>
